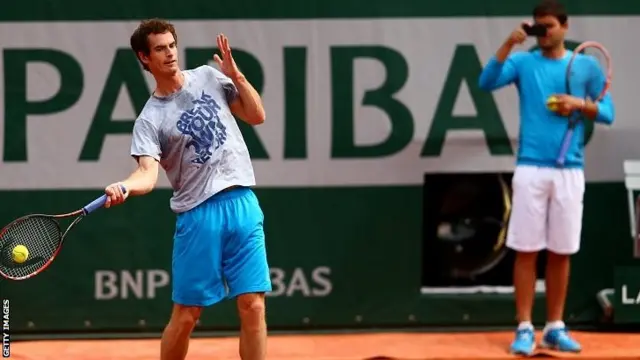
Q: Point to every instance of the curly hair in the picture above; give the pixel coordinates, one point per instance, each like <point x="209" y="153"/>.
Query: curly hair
<point x="140" y="37"/>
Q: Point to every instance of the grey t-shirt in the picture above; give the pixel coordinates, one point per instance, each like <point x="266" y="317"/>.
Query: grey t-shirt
<point x="196" y="139"/>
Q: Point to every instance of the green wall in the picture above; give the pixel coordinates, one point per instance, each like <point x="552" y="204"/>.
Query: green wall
<point x="369" y="238"/>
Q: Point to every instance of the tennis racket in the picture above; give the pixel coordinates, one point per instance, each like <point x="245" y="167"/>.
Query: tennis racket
<point x="42" y="237"/>
<point x="578" y="64"/>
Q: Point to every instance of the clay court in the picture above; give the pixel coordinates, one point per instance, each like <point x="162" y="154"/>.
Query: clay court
<point x="383" y="174"/>
<point x="398" y="345"/>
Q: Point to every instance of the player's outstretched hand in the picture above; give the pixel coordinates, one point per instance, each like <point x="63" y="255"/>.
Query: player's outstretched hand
<point x="115" y="195"/>
<point x="226" y="63"/>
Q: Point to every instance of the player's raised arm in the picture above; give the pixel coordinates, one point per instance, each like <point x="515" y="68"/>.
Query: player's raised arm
<point x="501" y="70"/>
<point x="244" y="100"/>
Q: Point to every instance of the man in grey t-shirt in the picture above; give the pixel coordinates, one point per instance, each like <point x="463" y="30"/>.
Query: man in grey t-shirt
<point x="187" y="127"/>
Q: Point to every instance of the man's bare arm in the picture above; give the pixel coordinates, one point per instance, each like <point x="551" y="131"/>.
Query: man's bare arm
<point x="144" y="178"/>
<point x="141" y="181"/>
<point x="248" y="104"/>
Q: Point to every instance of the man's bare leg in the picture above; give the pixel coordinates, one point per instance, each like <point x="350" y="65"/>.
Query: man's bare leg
<point x="557" y="281"/>
<point x="524" y="281"/>
<point x="555" y="333"/>
<point x="253" y="327"/>
<point x="175" y="338"/>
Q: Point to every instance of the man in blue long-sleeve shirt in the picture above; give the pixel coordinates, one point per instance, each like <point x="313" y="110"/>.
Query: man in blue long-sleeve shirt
<point x="547" y="200"/>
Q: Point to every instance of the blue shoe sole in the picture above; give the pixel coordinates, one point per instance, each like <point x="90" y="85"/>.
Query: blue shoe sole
<point x="545" y="345"/>
<point x="522" y="352"/>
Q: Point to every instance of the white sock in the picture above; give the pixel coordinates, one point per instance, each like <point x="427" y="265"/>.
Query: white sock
<point x="553" y="325"/>
<point x="525" y="325"/>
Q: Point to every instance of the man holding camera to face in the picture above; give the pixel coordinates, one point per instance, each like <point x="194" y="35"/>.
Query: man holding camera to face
<point x="547" y="200"/>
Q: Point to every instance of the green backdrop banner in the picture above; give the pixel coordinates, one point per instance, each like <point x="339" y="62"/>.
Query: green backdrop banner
<point x="327" y="268"/>
<point x="627" y="294"/>
<point x="339" y="257"/>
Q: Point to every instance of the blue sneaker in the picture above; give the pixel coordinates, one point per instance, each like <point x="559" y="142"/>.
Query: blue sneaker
<point x="559" y="339"/>
<point x="525" y="342"/>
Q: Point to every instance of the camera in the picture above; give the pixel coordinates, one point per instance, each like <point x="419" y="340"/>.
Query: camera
<point x="537" y="30"/>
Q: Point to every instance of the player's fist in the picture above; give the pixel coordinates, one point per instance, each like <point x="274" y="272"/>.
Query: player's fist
<point x="518" y="35"/>
<point x="116" y="194"/>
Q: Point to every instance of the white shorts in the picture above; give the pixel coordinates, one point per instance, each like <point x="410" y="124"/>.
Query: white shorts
<point x="546" y="210"/>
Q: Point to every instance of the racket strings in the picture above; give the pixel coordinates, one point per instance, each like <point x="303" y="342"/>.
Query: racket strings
<point x="40" y="235"/>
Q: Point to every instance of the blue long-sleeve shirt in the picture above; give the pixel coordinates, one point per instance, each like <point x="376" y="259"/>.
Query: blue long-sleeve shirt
<point x="536" y="78"/>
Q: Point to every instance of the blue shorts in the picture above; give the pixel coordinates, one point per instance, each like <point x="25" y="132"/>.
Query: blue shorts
<point x="219" y="250"/>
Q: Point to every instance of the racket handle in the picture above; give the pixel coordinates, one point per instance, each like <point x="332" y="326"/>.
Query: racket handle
<point x="565" y="147"/>
<point x="98" y="203"/>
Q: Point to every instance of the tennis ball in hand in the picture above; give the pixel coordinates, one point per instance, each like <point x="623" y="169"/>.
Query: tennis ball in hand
<point x="20" y="254"/>
<point x="552" y="103"/>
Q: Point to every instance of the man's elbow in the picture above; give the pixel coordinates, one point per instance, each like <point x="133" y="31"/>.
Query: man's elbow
<point x="606" y="114"/>
<point x="145" y="183"/>
<point x="252" y="115"/>
<point x="151" y="184"/>
<point x="143" y="187"/>
<point x="152" y="179"/>
<point x="257" y="118"/>
<point x="484" y="83"/>
<point x="607" y="118"/>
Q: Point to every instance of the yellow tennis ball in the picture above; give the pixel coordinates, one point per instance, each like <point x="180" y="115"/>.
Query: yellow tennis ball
<point x="552" y="103"/>
<point x="20" y="254"/>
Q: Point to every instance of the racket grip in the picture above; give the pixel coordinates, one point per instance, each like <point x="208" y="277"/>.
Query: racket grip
<point x="95" y="204"/>
<point x="565" y="147"/>
<point x="99" y="202"/>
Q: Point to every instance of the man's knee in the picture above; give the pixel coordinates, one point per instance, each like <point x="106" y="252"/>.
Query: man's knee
<point x="556" y="256"/>
<point x="251" y="308"/>
<point x="185" y="317"/>
<point x="526" y="257"/>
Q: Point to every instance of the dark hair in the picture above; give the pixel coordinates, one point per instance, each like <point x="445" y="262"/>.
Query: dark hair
<point x="551" y="8"/>
<point x="140" y="37"/>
